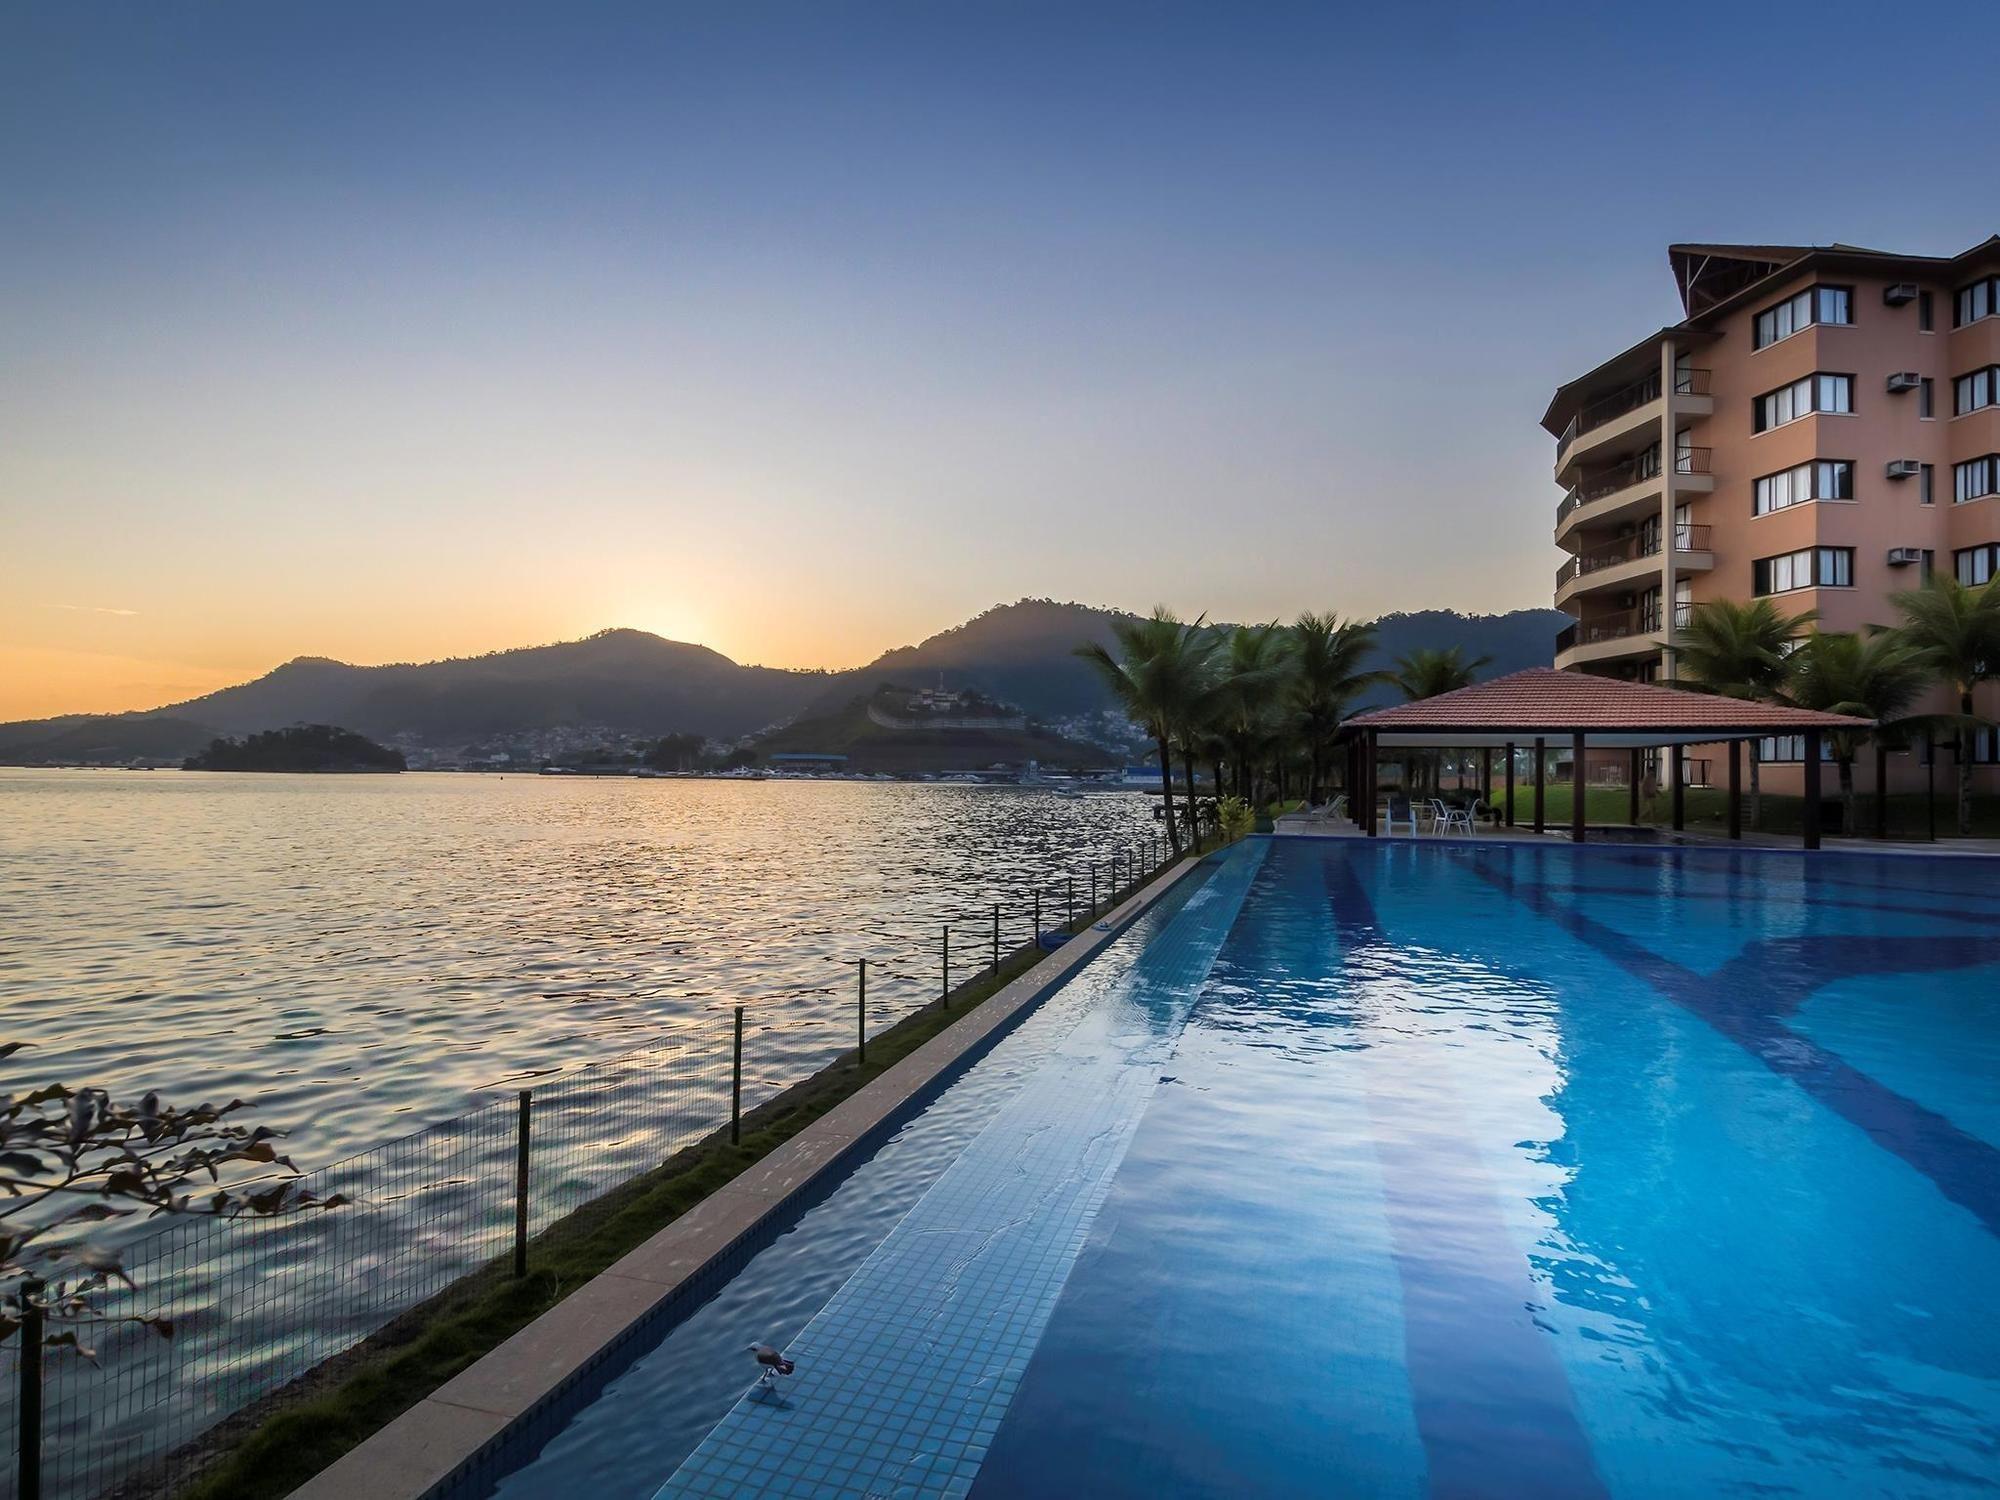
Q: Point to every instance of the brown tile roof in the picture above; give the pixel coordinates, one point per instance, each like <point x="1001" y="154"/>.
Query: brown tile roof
<point x="1543" y="699"/>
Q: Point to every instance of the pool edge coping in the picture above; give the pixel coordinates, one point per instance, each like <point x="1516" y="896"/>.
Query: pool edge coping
<point x="453" y="1431"/>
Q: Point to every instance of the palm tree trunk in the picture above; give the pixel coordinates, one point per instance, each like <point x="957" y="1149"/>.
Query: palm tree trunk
<point x="1313" y="798"/>
<point x="1167" y="791"/>
<point x="1194" y="810"/>
<point x="1756" y="790"/>
<point x="1215" y="770"/>
<point x="1847" y="823"/>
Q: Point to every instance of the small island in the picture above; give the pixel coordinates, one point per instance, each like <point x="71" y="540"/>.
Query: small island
<point x="303" y="747"/>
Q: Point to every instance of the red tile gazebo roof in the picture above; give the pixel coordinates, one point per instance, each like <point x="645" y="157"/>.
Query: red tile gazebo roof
<point x="1542" y="702"/>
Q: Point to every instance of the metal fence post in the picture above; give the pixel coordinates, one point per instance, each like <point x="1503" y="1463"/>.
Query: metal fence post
<point x="944" y="972"/>
<point x="996" y="937"/>
<point x="736" y="1085"/>
<point x="521" y="1186"/>
<point x="29" y="1409"/>
<point x="861" y="1013"/>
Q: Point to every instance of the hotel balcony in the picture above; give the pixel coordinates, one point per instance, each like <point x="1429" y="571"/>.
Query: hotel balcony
<point x="1628" y="490"/>
<point x="1628" y="419"/>
<point x="1620" y="636"/>
<point x="1629" y="562"/>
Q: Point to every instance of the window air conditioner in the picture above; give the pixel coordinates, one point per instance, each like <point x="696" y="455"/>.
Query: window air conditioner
<point x="1904" y="557"/>
<point x="1904" y="380"/>
<point x="1903" y="468"/>
<point x="1899" y="292"/>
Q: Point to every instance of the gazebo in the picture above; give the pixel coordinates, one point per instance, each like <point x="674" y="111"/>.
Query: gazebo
<point x="1542" y="707"/>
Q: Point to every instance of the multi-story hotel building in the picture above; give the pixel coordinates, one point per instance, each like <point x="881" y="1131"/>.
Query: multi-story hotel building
<point x="1822" y="427"/>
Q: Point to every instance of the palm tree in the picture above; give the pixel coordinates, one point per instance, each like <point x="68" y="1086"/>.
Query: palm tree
<point x="1957" y="629"/>
<point x="1327" y="676"/>
<point x="1738" y="650"/>
<point x="1427" y="672"/>
<point x="1247" y="689"/>
<point x="1160" y="675"/>
<point x="1874" y="676"/>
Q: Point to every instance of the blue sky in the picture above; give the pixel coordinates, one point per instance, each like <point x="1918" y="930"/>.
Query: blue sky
<point x="386" y="332"/>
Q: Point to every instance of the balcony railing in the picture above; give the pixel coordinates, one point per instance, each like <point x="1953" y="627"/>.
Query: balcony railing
<point x="1687" y="538"/>
<point x="1622" y="626"/>
<point x="1595" y="484"/>
<point x="1595" y="632"/>
<point x="1687" y="382"/>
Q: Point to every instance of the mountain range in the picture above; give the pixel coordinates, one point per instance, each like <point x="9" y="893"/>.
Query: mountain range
<point x="631" y="682"/>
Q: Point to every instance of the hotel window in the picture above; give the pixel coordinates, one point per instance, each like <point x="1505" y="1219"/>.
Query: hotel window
<point x="1926" y="319"/>
<point x="1780" y="748"/>
<point x="1974" y="391"/>
<point x="1926" y="398"/>
<point x="1815" y="393"/>
<point x="1808" y="568"/>
<point x="1819" y="304"/>
<point x="1975" y="479"/>
<point x="1926" y="484"/>
<point x="1972" y="566"/>
<point x="1980" y="300"/>
<point x="1822" y="479"/>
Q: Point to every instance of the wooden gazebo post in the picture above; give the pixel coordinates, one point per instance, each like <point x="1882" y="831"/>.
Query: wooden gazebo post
<point x="1679" y="754"/>
<point x="1736" y="789"/>
<point x="1809" y="814"/>
<point x="1576" y="788"/>
<point x="1638" y="761"/>
<point x="1510" y="783"/>
<point x="1541" y="774"/>
<point x="1368" y="782"/>
<point x="1881" y="789"/>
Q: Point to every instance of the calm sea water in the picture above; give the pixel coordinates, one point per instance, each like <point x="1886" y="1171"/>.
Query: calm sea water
<point x="360" y="955"/>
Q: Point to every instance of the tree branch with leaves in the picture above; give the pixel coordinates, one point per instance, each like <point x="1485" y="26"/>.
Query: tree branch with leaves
<point x="74" y="1161"/>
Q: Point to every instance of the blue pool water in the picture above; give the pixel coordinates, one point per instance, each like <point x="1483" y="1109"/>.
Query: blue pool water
<point x="1405" y="1169"/>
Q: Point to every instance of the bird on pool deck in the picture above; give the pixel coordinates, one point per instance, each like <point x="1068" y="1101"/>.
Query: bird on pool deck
<point x="773" y="1362"/>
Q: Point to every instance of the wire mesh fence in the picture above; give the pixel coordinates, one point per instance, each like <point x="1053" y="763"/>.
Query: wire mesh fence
<point x="257" y="1304"/>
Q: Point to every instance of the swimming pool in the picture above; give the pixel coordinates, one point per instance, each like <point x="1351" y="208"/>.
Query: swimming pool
<point x="1409" y="1169"/>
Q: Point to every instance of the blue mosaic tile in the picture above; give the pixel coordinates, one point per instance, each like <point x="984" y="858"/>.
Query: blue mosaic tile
<point x="904" y="1377"/>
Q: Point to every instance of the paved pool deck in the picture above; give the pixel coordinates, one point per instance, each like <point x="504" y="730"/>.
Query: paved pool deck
<point x="1294" y="825"/>
<point x="453" y="1439"/>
